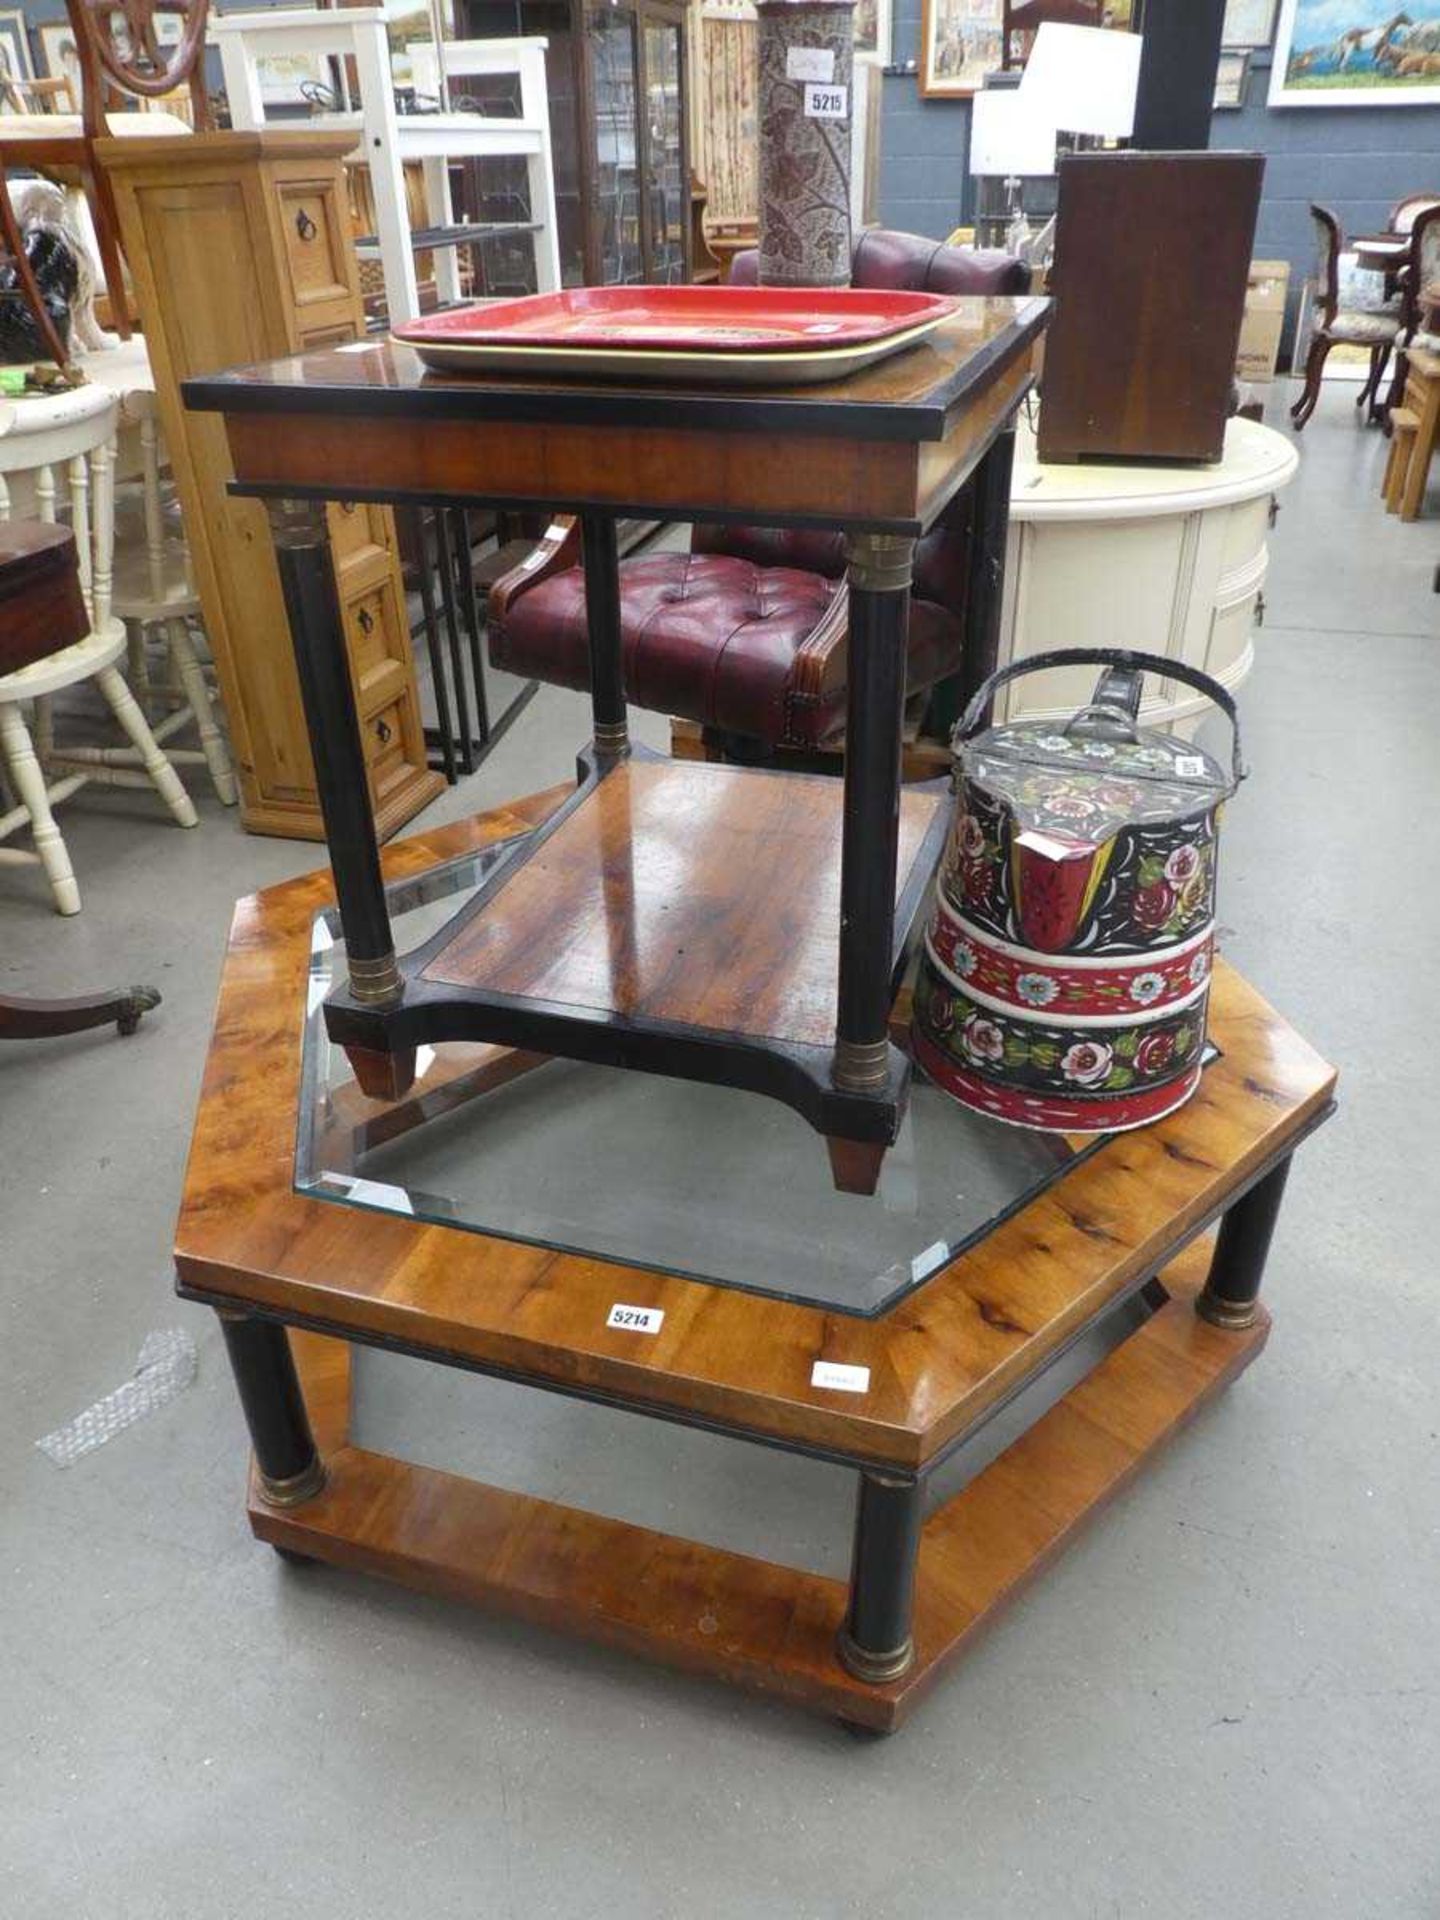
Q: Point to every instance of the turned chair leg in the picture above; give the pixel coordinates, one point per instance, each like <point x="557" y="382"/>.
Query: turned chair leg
<point x="1314" y="369"/>
<point x="1379" y="360"/>
<point x="192" y="678"/>
<point x="29" y="783"/>
<point x="164" y="778"/>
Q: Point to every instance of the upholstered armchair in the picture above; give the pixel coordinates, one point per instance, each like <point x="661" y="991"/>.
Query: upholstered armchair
<point x="746" y="633"/>
<point x="1376" y="326"/>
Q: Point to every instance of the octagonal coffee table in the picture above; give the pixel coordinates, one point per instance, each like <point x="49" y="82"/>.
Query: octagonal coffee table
<point x="658" y="1246"/>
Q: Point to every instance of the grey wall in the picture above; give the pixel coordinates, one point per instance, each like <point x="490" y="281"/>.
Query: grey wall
<point x="1356" y="160"/>
<point x="924" y="145"/>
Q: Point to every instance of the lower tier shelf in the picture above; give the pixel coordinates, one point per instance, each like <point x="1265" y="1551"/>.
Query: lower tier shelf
<point x="747" y="1621"/>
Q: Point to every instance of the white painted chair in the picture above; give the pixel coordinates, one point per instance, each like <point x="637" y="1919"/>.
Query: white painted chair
<point x="57" y="453"/>
<point x="156" y="600"/>
<point x="387" y="139"/>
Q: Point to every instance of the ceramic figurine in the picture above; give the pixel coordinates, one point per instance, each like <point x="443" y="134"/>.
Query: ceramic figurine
<point x="1066" y="967"/>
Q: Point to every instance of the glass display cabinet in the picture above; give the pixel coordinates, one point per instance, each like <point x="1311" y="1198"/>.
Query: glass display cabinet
<point x="618" y="106"/>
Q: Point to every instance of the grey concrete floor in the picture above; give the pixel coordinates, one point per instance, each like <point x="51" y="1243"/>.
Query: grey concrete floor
<point x="1222" y="1701"/>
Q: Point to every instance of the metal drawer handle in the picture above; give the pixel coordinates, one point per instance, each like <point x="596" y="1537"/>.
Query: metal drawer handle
<point x="383" y="731"/>
<point x="366" y="620"/>
<point x="305" y="226"/>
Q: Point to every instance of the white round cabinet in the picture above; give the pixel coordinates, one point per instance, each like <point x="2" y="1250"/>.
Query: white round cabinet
<point x="1162" y="559"/>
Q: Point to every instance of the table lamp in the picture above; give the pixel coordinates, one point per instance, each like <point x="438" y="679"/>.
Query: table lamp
<point x="1083" y="80"/>
<point x="1010" y="140"/>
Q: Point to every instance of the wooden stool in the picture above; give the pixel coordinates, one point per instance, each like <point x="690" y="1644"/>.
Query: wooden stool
<point x="1415" y="425"/>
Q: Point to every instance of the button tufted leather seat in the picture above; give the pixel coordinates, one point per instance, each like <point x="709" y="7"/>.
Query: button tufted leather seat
<point x="746" y="633"/>
<point x="719" y="639"/>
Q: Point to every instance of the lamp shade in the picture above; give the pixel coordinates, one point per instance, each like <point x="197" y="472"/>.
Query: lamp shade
<point x="1007" y="136"/>
<point x="1083" y="79"/>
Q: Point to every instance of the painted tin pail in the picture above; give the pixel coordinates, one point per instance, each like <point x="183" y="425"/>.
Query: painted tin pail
<point x="1066" y="967"/>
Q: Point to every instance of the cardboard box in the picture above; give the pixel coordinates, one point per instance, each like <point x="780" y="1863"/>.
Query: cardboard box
<point x="1264" y="320"/>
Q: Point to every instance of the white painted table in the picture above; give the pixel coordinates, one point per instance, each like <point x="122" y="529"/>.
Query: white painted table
<point x="1165" y="559"/>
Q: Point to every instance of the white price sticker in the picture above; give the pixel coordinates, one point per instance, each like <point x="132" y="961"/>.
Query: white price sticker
<point x="809" y="63"/>
<point x="826" y="103"/>
<point x="829" y="1373"/>
<point x="1190" y="766"/>
<point x="636" y="1319"/>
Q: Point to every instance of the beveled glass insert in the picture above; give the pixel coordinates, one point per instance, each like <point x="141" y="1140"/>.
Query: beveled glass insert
<point x="704" y="1181"/>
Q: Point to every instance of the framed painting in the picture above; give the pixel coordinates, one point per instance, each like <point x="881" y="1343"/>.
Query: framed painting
<point x="1230" y="78"/>
<point x="59" y="56"/>
<point x="1355" y="53"/>
<point x="1024" y="19"/>
<point x="960" y="42"/>
<point x="1248" y="23"/>
<point x="874" y="28"/>
<point x="16" y="64"/>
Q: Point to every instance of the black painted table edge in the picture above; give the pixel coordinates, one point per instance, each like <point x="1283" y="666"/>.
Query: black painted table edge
<point x="831" y="411"/>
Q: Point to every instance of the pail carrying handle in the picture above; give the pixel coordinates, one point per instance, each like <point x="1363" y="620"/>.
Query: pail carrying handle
<point x="973" y="719"/>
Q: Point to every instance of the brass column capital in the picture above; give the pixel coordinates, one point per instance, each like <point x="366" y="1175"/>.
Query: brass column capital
<point x="880" y="562"/>
<point x="295" y="1491"/>
<point x="375" y="983"/>
<point x="297" y="523"/>
<point x="861" y="1066"/>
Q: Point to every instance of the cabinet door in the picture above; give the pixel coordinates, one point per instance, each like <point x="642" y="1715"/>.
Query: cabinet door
<point x="614" y="66"/>
<point x="666" y="174"/>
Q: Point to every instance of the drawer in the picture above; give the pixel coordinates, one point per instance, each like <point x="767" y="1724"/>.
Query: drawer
<point x="332" y="334"/>
<point x="375" y="634"/>
<point x="389" y="747"/>
<point x="357" y="527"/>
<point x="312" y="224"/>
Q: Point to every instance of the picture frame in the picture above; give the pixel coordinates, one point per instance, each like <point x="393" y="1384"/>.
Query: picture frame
<point x="60" y="56"/>
<point x="1248" y="23"/>
<point x="875" y="28"/>
<point x="16" y="61"/>
<point x="1230" y="78"/>
<point x="960" y="42"/>
<point x="1354" y="53"/>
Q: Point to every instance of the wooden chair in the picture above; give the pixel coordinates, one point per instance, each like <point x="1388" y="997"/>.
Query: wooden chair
<point x="143" y="70"/>
<point x="158" y="601"/>
<point x="53" y="451"/>
<point x="41" y="610"/>
<point x="1406" y="212"/>
<point x="1419" y="280"/>
<point x="1377" y="329"/>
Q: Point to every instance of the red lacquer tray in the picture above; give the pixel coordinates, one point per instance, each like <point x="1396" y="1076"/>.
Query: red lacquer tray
<point x="736" y="335"/>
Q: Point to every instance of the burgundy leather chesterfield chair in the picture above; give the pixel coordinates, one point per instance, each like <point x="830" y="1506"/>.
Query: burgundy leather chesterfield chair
<point x="746" y="633"/>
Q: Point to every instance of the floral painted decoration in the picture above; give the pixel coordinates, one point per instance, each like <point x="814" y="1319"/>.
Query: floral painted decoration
<point x="1030" y="1055"/>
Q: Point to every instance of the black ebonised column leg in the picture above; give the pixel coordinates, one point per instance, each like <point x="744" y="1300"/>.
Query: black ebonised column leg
<point x="875" y="1642"/>
<point x="879" y="578"/>
<point x="989" y="529"/>
<point x="602" y="612"/>
<point x="302" y="549"/>
<point x="1230" y="1297"/>
<point x="291" y="1471"/>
